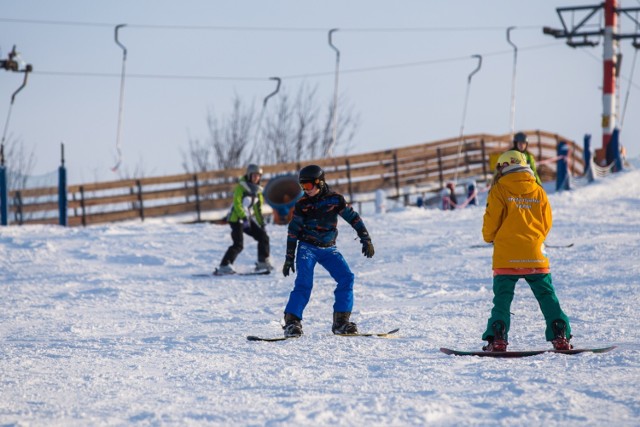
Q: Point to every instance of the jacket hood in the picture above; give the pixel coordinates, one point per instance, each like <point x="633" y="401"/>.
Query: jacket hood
<point x="519" y="182"/>
<point x="250" y="187"/>
<point x="517" y="168"/>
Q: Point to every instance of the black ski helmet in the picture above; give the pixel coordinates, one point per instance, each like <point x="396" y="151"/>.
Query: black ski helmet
<point x="253" y="168"/>
<point x="312" y="173"/>
<point x="519" y="137"/>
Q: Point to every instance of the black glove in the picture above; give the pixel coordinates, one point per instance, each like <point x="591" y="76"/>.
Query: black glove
<point x="288" y="265"/>
<point x="367" y="248"/>
<point x="245" y="224"/>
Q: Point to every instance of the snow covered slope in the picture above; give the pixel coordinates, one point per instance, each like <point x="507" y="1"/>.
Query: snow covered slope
<point x="106" y="325"/>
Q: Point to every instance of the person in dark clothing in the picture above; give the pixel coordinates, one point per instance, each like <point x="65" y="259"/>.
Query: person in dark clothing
<point x="452" y="195"/>
<point x="313" y="230"/>
<point x="449" y="198"/>
<point x="472" y="193"/>
<point x="245" y="217"/>
<point x="520" y="143"/>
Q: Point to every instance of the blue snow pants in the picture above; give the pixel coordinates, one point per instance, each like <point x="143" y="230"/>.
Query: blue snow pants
<point x="333" y="261"/>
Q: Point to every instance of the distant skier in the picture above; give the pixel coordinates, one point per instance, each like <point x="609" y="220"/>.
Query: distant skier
<point x="472" y="196"/>
<point x="517" y="220"/>
<point x="520" y="143"/>
<point x="449" y="198"/>
<point x="245" y="217"/>
<point x="472" y="193"/>
<point x="313" y="230"/>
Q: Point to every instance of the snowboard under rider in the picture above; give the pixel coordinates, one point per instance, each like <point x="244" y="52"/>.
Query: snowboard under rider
<point x="313" y="229"/>
<point x="245" y="217"/>
<point x="517" y="220"/>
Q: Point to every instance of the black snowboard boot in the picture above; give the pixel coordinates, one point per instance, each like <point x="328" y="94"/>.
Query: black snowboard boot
<point x="292" y="326"/>
<point x="560" y="340"/>
<point x="342" y="325"/>
<point x="497" y="342"/>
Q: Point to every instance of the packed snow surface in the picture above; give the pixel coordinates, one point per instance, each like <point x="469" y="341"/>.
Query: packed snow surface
<point x="107" y="325"/>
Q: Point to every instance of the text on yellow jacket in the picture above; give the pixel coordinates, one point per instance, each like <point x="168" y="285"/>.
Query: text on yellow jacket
<point x="517" y="220"/>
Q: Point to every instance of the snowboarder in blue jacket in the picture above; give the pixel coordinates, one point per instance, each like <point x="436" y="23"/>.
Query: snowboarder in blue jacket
<point x="313" y="230"/>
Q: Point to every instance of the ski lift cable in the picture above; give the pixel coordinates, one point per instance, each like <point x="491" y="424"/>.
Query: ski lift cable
<point x="149" y="76"/>
<point x="464" y="113"/>
<point x="623" y="77"/>
<point x="121" y="101"/>
<point x="294" y="76"/>
<point x="626" y="97"/>
<point x="266" y="29"/>
<point x="633" y="67"/>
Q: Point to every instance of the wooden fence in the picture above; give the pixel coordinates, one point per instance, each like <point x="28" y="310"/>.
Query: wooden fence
<point x="400" y="172"/>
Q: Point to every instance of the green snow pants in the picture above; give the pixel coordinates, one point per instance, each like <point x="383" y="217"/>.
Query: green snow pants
<point x="503" y="291"/>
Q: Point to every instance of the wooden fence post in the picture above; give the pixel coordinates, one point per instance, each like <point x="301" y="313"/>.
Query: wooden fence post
<point x="17" y="202"/>
<point x="73" y="198"/>
<point x="540" y="146"/>
<point x="349" y="180"/>
<point x="139" y="184"/>
<point x="440" y="171"/>
<point x="82" y="207"/>
<point x="197" y="191"/>
<point x="572" y="164"/>
<point x="395" y="173"/>
<point x="485" y="160"/>
<point x="466" y="156"/>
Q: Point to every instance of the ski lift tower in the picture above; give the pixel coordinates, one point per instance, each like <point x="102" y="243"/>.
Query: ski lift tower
<point x="583" y="34"/>
<point x="13" y="64"/>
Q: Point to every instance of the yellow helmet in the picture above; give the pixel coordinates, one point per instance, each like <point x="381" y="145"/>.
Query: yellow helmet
<point x="510" y="160"/>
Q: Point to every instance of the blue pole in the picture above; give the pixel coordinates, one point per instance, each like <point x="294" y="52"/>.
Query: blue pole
<point x="614" y="146"/>
<point x="62" y="190"/>
<point x="62" y="195"/>
<point x="562" y="169"/>
<point x="4" y="205"/>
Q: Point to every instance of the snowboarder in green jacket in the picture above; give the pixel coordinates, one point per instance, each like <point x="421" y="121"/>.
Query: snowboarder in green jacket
<point x="245" y="217"/>
<point x="520" y="143"/>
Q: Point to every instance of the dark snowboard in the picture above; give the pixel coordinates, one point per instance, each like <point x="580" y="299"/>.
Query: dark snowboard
<point x="371" y="334"/>
<point x="245" y="273"/>
<point x="255" y="338"/>
<point x="524" y="353"/>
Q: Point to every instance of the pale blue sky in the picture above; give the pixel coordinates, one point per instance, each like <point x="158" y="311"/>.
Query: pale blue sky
<point x="416" y="95"/>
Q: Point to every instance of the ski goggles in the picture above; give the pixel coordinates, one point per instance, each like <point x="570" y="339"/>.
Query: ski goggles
<point x="307" y="185"/>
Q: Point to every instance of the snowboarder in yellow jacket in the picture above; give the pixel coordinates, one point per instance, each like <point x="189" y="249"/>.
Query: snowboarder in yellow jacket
<point x="517" y="220"/>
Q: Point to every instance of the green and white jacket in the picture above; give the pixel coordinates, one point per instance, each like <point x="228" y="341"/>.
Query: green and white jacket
<point x="247" y="203"/>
